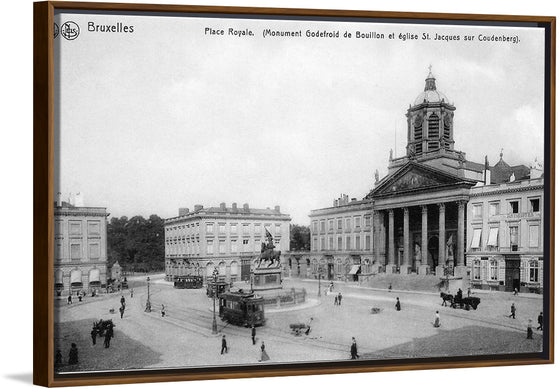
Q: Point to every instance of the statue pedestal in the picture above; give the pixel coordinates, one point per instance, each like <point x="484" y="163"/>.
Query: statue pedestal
<point x="267" y="278"/>
<point x="439" y="271"/>
<point x="423" y="270"/>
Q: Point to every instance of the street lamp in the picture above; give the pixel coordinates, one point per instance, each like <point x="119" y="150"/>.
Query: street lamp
<point x="215" y="277"/>
<point x="148" y="303"/>
<point x="319" y="271"/>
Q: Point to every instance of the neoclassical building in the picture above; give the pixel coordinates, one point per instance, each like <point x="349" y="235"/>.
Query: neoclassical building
<point x="414" y="220"/>
<point x="80" y="247"/>
<point x="227" y="238"/>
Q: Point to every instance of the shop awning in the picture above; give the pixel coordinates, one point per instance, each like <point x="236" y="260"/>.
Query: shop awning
<point x="475" y="244"/>
<point x="493" y="237"/>
<point x="355" y="269"/>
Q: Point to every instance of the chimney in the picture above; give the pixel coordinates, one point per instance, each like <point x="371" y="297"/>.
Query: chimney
<point x="59" y="199"/>
<point x="234" y="207"/>
<point x="487" y="177"/>
<point x="246" y="207"/>
<point x="183" y="211"/>
<point x="223" y="206"/>
<point x="198" y="207"/>
<point x="277" y="208"/>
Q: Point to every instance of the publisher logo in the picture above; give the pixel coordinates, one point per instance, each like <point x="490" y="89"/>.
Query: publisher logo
<point x="70" y="30"/>
<point x="55" y="30"/>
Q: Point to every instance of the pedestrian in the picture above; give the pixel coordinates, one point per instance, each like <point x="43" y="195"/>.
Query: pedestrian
<point x="354" y="349"/>
<point x="469" y="292"/>
<point x="57" y="359"/>
<point x="79" y="296"/>
<point x="339" y="298"/>
<point x="253" y="334"/>
<point x="540" y="321"/>
<point x="121" y="310"/>
<point x="515" y="292"/>
<point x="107" y="341"/>
<point x="131" y="293"/>
<point x="122" y="300"/>
<point x="512" y="309"/>
<point x="264" y="355"/>
<point x="437" y="321"/>
<point x="530" y="329"/>
<point x="398" y="304"/>
<point x="69" y="301"/>
<point x="93" y="335"/>
<point x="335" y="299"/>
<point x="390" y="287"/>
<point x="162" y="310"/>
<point x="460" y="294"/>
<point x="73" y="355"/>
<point x="224" y="345"/>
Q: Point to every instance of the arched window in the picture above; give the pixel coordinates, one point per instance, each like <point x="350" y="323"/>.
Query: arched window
<point x="433" y="126"/>
<point x="209" y="269"/>
<point x="222" y="269"/>
<point x="533" y="271"/>
<point x="234" y="269"/>
<point x="476" y="269"/>
<point x="494" y="270"/>
<point x="94" y="277"/>
<point x="76" y="278"/>
<point x="58" y="278"/>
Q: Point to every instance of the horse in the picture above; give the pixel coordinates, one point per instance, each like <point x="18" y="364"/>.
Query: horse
<point x="269" y="255"/>
<point x="447" y="297"/>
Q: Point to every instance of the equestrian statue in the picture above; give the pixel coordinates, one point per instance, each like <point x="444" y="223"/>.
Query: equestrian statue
<point x="268" y="254"/>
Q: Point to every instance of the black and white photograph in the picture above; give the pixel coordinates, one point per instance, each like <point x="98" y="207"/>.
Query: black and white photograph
<point x="243" y="192"/>
<point x="239" y="190"/>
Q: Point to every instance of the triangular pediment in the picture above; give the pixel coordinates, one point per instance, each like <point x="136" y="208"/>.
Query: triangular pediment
<point x="416" y="177"/>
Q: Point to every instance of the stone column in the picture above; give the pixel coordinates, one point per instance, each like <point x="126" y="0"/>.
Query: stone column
<point x="460" y="262"/>
<point x="424" y="235"/>
<point x="406" y="242"/>
<point x="376" y="238"/>
<point x="441" y="251"/>
<point x="391" y="253"/>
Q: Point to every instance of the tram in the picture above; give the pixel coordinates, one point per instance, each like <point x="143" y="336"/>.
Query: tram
<point x="219" y="287"/>
<point x="242" y="308"/>
<point x="187" y="282"/>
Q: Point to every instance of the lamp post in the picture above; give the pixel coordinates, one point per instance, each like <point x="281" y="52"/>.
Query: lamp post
<point x="319" y="271"/>
<point x="148" y="303"/>
<point x="215" y="277"/>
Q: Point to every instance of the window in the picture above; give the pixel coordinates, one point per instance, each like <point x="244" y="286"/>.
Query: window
<point x="245" y="229"/>
<point x="534" y="205"/>
<point x="75" y="227"/>
<point x="494" y="209"/>
<point x="358" y="243"/>
<point x="233" y="229"/>
<point x="322" y="243"/>
<point x="331" y="242"/>
<point x="534" y="231"/>
<point x="368" y="242"/>
<point x="477" y="210"/>
<point x="94" y="228"/>
<point x="323" y="226"/>
<point x="58" y="250"/>
<point x="348" y="223"/>
<point x="494" y="270"/>
<point x="475" y="243"/>
<point x="514" y="238"/>
<point x="433" y="126"/>
<point x="75" y="251"/>
<point x="257" y="227"/>
<point x="315" y="227"/>
<point x="339" y="243"/>
<point x="339" y="224"/>
<point x="476" y="269"/>
<point x="234" y="246"/>
<point x="222" y="246"/>
<point x="94" y="252"/>
<point x="348" y="243"/>
<point x="277" y="229"/>
<point x="222" y="228"/>
<point x="315" y="248"/>
<point x="493" y="238"/>
<point x="533" y="271"/>
<point x="357" y="221"/>
<point x="209" y="228"/>
<point x="209" y="247"/>
<point x="514" y="207"/>
<point x="367" y="221"/>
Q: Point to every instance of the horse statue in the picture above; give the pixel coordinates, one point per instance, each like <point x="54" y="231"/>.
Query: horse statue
<point x="268" y="254"/>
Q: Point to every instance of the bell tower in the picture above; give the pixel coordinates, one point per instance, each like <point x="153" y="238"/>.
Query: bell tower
<point x="430" y="121"/>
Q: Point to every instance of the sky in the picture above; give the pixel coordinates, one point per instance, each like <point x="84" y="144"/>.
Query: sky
<point x="168" y="116"/>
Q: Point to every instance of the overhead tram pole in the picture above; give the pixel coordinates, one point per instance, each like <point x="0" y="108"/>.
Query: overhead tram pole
<point x="319" y="271"/>
<point x="148" y="303"/>
<point x="214" y="323"/>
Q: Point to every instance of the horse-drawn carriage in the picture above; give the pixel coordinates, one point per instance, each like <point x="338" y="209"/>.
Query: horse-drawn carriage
<point x="102" y="326"/>
<point x="458" y="301"/>
<point x="242" y="308"/>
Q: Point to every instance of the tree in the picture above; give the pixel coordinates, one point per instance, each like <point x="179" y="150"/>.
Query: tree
<point x="299" y="238"/>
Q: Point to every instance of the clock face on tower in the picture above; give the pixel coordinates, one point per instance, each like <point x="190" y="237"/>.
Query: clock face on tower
<point x="418" y="120"/>
<point x="447" y="120"/>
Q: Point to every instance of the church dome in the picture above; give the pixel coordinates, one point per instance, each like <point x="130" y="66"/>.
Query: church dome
<point x="430" y="93"/>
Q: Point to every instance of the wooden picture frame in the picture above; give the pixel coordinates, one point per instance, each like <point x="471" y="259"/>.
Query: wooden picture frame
<point x="45" y="153"/>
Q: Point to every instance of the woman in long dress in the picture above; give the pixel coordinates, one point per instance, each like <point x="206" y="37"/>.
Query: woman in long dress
<point x="264" y="355"/>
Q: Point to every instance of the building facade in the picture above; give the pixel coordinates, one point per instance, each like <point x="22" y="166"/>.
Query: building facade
<point x="505" y="235"/>
<point x="80" y="248"/>
<point x="226" y="238"/>
<point x="414" y="220"/>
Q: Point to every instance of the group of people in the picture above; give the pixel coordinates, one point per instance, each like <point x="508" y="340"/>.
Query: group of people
<point x="72" y="356"/>
<point x="338" y="299"/>
<point x="263" y="356"/>
<point x="80" y="294"/>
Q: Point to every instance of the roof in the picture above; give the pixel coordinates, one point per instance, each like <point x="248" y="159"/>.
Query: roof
<point x="430" y="93"/>
<point x="501" y="172"/>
